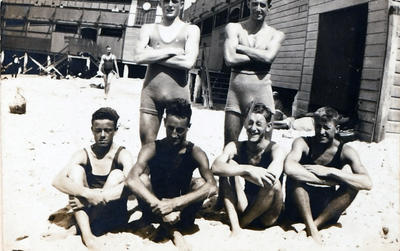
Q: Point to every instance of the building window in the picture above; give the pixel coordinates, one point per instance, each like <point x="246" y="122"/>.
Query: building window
<point x="67" y="28"/>
<point x="145" y="17"/>
<point x="14" y="23"/>
<point x="207" y="26"/>
<point x="221" y="18"/>
<point x="111" y="32"/>
<point x="234" y="15"/>
<point x="246" y="10"/>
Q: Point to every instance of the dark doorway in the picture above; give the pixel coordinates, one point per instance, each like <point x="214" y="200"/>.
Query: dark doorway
<point x="89" y="33"/>
<point x="339" y="59"/>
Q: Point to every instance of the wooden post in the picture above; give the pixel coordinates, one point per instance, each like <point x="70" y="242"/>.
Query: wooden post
<point x="388" y="75"/>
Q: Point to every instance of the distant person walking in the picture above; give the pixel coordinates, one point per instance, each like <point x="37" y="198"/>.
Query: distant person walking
<point x="108" y="63"/>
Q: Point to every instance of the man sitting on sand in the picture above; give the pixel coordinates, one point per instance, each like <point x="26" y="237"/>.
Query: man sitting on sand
<point x="94" y="180"/>
<point x="314" y="168"/>
<point x="260" y="162"/>
<point x="171" y="196"/>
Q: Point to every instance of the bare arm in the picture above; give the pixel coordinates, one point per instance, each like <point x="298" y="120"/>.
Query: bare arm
<point x="224" y="165"/>
<point x="295" y="170"/>
<point x="359" y="179"/>
<point x="266" y="56"/>
<point x="206" y="190"/>
<point x="114" y="193"/>
<point x="63" y="183"/>
<point x="231" y="56"/>
<point x="188" y="58"/>
<point x="116" y="65"/>
<point x="134" y="182"/>
<point x="101" y="62"/>
<point x="278" y="157"/>
<point x="144" y="54"/>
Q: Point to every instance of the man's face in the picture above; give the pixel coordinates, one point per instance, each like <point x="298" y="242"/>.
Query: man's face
<point x="171" y="8"/>
<point x="325" y="131"/>
<point x="258" y="9"/>
<point x="103" y="131"/>
<point x="256" y="127"/>
<point x="108" y="50"/>
<point x="176" y="129"/>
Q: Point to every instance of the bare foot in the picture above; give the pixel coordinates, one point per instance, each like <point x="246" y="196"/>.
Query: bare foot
<point x="235" y="233"/>
<point x="180" y="242"/>
<point x="92" y="243"/>
<point x="316" y="236"/>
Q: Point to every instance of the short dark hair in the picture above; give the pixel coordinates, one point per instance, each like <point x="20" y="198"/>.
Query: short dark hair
<point x="106" y="113"/>
<point x="326" y="114"/>
<point x="269" y="3"/>
<point x="261" y="109"/>
<point x="179" y="107"/>
<point x="107" y="46"/>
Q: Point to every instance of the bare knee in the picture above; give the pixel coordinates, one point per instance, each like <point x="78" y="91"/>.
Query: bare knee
<point x="115" y="178"/>
<point x="78" y="175"/>
<point x="196" y="183"/>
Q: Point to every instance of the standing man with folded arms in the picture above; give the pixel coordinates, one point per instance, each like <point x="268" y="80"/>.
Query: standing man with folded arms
<point x="169" y="48"/>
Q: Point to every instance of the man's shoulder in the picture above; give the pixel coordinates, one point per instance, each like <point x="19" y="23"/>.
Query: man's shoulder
<point x="233" y="27"/>
<point x="148" y="27"/>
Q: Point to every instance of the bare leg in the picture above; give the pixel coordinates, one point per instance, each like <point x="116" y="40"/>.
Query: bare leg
<point x="263" y="202"/>
<point x="272" y="214"/>
<point x="302" y="200"/>
<point x="233" y="126"/>
<point x="81" y="217"/>
<point x="106" y="83"/>
<point x="230" y="201"/>
<point x="148" y="126"/>
<point x="179" y="241"/>
<point x="342" y="199"/>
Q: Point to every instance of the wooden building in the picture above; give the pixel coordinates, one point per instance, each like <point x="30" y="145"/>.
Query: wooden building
<point x="341" y="53"/>
<point x="60" y="27"/>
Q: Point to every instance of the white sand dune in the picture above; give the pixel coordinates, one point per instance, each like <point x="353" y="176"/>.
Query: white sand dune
<point x="57" y="123"/>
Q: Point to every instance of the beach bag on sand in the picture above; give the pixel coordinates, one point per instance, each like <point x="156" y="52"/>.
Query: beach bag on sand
<point x="18" y="105"/>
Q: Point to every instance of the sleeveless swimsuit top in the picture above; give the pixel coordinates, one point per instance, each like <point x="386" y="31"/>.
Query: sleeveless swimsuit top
<point x="171" y="176"/>
<point x="108" y="63"/>
<point x="243" y="159"/>
<point x="98" y="181"/>
<point x="308" y="160"/>
<point x="162" y="72"/>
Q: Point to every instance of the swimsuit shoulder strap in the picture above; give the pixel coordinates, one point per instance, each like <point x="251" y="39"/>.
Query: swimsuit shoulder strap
<point x="115" y="164"/>
<point x="88" y="166"/>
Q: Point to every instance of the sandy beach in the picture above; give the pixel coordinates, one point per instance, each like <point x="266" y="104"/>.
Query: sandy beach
<point x="36" y="145"/>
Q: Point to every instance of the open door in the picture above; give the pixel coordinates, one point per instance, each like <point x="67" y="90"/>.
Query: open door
<point x="339" y="59"/>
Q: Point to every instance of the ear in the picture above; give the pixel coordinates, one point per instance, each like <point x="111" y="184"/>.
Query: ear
<point x="337" y="129"/>
<point x="188" y="126"/>
<point x="269" y="127"/>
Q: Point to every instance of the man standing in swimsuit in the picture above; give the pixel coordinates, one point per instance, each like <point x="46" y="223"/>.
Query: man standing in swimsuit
<point x="170" y="195"/>
<point x="250" y="48"/>
<point x="94" y="179"/>
<point x="314" y="167"/>
<point x="260" y="162"/>
<point x="107" y="63"/>
<point x="170" y="49"/>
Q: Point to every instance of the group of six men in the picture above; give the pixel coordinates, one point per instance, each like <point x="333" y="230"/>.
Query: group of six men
<point x="98" y="178"/>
